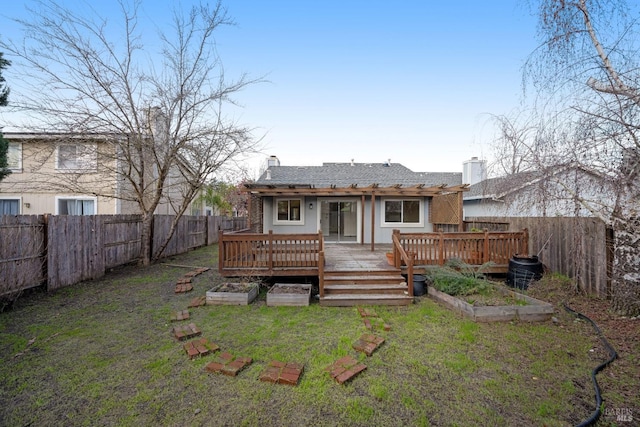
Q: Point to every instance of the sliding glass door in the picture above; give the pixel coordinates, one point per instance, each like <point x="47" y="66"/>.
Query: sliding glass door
<point x="339" y="220"/>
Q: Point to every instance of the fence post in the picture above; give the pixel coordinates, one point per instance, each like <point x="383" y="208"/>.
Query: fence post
<point x="221" y="251"/>
<point x="206" y="230"/>
<point x="525" y="242"/>
<point x="45" y="249"/>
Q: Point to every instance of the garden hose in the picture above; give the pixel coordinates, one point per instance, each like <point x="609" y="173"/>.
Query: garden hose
<point x="612" y="356"/>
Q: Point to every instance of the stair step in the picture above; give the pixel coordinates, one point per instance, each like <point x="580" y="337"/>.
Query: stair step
<point x="349" y="300"/>
<point x="364" y="279"/>
<point x="361" y="272"/>
<point x="365" y="288"/>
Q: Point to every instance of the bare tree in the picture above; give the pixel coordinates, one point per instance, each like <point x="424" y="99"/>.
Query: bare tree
<point x="586" y="78"/>
<point x="514" y="144"/>
<point x="158" y="117"/>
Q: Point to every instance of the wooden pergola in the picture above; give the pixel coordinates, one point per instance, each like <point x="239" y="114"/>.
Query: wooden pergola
<point x="450" y="197"/>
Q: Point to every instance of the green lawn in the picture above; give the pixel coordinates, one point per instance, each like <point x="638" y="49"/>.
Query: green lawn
<point x="101" y="353"/>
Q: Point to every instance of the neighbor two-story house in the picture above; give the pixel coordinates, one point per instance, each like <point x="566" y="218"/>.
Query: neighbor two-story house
<point x="63" y="174"/>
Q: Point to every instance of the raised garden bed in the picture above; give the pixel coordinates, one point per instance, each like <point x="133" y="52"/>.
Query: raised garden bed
<point x="520" y="307"/>
<point x="232" y="294"/>
<point x="289" y="294"/>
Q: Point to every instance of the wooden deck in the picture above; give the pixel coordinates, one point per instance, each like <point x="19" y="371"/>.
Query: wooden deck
<point x="353" y="274"/>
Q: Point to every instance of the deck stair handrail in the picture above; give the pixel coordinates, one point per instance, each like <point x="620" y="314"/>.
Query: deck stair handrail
<point x="401" y="256"/>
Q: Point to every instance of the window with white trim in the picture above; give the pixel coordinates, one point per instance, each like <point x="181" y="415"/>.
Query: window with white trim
<point x="75" y="206"/>
<point x="402" y="212"/>
<point x="9" y="206"/>
<point x="14" y="156"/>
<point x="289" y="211"/>
<point x="76" y="157"/>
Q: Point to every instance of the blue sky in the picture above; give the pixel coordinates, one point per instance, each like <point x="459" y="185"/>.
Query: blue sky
<point x="412" y="81"/>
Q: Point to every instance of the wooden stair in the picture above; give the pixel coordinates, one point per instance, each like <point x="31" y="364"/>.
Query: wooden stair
<point x="373" y="287"/>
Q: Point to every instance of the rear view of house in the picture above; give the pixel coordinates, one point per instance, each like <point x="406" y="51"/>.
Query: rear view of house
<point x="353" y="202"/>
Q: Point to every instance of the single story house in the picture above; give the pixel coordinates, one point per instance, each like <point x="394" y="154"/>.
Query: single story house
<point x="353" y="202"/>
<point x="566" y="191"/>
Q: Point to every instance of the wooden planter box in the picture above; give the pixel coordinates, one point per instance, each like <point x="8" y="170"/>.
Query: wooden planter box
<point x="277" y="295"/>
<point x="534" y="311"/>
<point x="232" y="294"/>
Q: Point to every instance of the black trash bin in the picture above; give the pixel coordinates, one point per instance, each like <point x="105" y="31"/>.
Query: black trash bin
<point x="419" y="285"/>
<point x="523" y="270"/>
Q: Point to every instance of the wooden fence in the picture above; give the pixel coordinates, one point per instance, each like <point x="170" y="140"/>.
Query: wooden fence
<point x="23" y="260"/>
<point x="580" y="248"/>
<point x="66" y="249"/>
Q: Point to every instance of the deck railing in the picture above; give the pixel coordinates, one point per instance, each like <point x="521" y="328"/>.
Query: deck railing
<point x="473" y="248"/>
<point x="401" y="256"/>
<point x="264" y="254"/>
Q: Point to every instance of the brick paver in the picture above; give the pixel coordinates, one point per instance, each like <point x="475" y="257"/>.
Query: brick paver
<point x="228" y="364"/>
<point x="185" y="332"/>
<point x="180" y="315"/>
<point x="183" y="287"/>
<point x="196" y="272"/>
<point x="199" y="347"/>
<point x="345" y="368"/>
<point x="198" y="301"/>
<point x="282" y="373"/>
<point x="368" y="343"/>
<point x="367" y="312"/>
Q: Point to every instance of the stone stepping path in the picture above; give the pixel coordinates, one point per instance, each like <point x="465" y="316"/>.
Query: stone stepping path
<point x="200" y="347"/>
<point x="228" y="364"/>
<point x="198" y="301"/>
<point x="186" y="332"/>
<point x="180" y="315"/>
<point x="282" y="373"/>
<point x="345" y="368"/>
<point x="368" y="343"/>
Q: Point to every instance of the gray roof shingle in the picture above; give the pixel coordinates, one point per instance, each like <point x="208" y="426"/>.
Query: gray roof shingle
<point x="361" y="174"/>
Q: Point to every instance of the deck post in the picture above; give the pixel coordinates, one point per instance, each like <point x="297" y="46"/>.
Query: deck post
<point x="396" y="254"/>
<point x="485" y="249"/>
<point x="363" y="200"/>
<point x="373" y="220"/>
<point x="321" y="273"/>
<point x="270" y="252"/>
<point x="440" y="248"/>
<point x="411" y="257"/>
